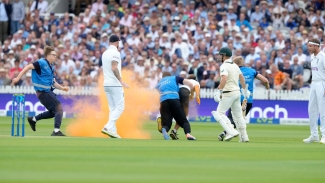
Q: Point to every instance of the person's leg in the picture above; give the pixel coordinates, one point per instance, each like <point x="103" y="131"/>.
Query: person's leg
<point x="248" y="107"/>
<point x="301" y="81"/>
<point x="321" y="105"/>
<point x="184" y="97"/>
<point x="179" y="115"/>
<point x="239" y="119"/>
<point x="53" y="105"/>
<point x="14" y="26"/>
<point x="5" y="30"/>
<point x="313" y="112"/>
<point x="57" y="110"/>
<point x="115" y="97"/>
<point x="166" y="118"/>
<point x="48" y="104"/>
<point x="289" y="84"/>
<point x="224" y="133"/>
<point x="221" y="117"/>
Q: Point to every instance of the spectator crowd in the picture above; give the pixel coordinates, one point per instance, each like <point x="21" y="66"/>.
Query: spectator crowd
<point x="179" y="36"/>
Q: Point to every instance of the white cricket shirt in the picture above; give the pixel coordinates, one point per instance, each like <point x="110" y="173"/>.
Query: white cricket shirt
<point x="111" y="54"/>
<point x="195" y="83"/>
<point x="230" y="69"/>
<point x="318" y="67"/>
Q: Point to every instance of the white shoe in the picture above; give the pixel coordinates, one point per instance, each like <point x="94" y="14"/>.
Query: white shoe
<point x="231" y="136"/>
<point x="311" y="139"/>
<point x="244" y="139"/>
<point x="110" y="133"/>
<point x="322" y="141"/>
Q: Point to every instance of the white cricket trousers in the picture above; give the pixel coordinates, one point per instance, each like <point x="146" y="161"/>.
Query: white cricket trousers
<point x="115" y="97"/>
<point x="232" y="102"/>
<point x="316" y="108"/>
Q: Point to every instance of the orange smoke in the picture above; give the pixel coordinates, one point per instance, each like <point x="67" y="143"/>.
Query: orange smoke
<point x="92" y="117"/>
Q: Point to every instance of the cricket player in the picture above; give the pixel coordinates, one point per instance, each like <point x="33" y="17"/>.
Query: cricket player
<point x="170" y="105"/>
<point x="249" y="74"/>
<point x="228" y="95"/>
<point x="44" y="84"/>
<point x="316" y="105"/>
<point x="113" y="85"/>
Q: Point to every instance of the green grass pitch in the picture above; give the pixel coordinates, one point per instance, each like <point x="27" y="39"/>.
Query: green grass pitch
<point x="275" y="154"/>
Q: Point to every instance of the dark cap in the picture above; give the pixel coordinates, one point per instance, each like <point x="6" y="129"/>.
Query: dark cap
<point x="52" y="13"/>
<point x="113" y="38"/>
<point x="225" y="51"/>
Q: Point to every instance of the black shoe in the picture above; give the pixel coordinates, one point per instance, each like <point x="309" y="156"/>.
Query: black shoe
<point x="221" y="136"/>
<point x="173" y="135"/>
<point x="32" y="123"/>
<point x="59" y="133"/>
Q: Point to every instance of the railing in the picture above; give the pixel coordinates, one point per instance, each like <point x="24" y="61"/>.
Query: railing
<point x="52" y="5"/>
<point x="261" y="94"/>
<point x="58" y="15"/>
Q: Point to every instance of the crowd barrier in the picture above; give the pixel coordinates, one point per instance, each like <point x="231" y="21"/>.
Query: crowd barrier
<point x="269" y="107"/>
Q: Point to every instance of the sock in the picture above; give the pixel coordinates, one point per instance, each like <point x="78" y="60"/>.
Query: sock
<point x="56" y="130"/>
<point x="175" y="130"/>
<point x="34" y="119"/>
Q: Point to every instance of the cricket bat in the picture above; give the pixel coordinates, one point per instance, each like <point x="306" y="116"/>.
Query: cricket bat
<point x="244" y="104"/>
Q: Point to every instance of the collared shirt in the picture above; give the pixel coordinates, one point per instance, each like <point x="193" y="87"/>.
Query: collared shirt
<point x="42" y="6"/>
<point x="318" y="67"/>
<point x="232" y="71"/>
<point x="110" y="55"/>
<point x="97" y="6"/>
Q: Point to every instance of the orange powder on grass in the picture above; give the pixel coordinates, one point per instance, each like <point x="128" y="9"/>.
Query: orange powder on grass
<point x="93" y="116"/>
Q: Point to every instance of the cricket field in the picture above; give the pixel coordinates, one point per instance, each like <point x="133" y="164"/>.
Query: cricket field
<point x="274" y="154"/>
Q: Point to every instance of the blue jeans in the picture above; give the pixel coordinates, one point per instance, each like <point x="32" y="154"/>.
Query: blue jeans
<point x="15" y="25"/>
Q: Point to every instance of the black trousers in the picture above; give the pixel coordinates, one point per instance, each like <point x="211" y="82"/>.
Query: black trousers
<point x="248" y="108"/>
<point x="53" y="105"/>
<point x="184" y="97"/>
<point x="172" y="108"/>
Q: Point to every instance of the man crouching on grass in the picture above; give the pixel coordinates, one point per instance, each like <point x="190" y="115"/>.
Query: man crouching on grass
<point x="170" y="105"/>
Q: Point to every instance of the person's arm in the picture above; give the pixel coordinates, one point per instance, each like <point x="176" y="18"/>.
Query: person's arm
<point x="58" y="86"/>
<point x="117" y="73"/>
<point x="242" y="81"/>
<point x="32" y="7"/>
<point x="285" y="78"/>
<point x="223" y="82"/>
<point x="22" y="73"/>
<point x="264" y="80"/>
<point x="224" y="77"/>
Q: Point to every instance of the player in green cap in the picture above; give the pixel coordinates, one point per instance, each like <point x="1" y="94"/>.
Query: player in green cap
<point x="228" y="96"/>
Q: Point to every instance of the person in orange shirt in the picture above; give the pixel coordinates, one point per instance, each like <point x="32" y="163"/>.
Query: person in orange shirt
<point x="280" y="79"/>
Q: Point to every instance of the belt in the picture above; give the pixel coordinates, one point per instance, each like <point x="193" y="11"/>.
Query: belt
<point x="226" y="91"/>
